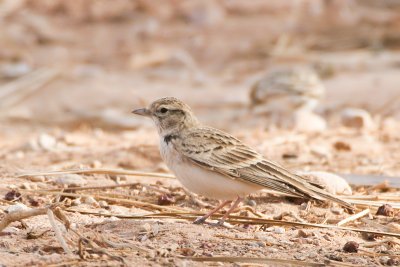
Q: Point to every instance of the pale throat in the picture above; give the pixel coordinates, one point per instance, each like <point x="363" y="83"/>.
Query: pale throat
<point x="176" y="127"/>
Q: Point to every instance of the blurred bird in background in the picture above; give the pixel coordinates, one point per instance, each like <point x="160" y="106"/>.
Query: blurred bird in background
<point x="289" y="96"/>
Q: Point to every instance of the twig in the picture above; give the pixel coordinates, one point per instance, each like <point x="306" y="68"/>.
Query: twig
<point x="101" y="171"/>
<point x="125" y="201"/>
<point x="58" y="233"/>
<point x="381" y="242"/>
<point x="20" y="215"/>
<point x="233" y="219"/>
<point x="354" y="217"/>
<point x="269" y="261"/>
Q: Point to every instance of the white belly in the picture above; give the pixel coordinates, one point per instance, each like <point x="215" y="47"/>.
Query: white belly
<point x="202" y="181"/>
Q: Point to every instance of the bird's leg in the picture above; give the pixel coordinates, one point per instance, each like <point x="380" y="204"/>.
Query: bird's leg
<point x="195" y="199"/>
<point x="233" y="206"/>
<point x="202" y="219"/>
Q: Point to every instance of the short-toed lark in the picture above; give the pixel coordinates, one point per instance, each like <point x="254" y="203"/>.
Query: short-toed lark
<point x="300" y="86"/>
<point x="215" y="164"/>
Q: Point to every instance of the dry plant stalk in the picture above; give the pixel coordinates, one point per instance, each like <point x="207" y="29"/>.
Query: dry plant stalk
<point x="354" y="217"/>
<point x="268" y="261"/>
<point x="58" y="233"/>
<point x="20" y="215"/>
<point x="121" y="201"/>
<point x="233" y="219"/>
<point x="101" y="171"/>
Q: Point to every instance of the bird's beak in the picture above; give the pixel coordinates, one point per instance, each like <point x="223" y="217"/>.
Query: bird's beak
<point x="142" y="112"/>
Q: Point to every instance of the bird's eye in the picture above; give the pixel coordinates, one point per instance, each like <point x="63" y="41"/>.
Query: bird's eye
<point x="163" y="110"/>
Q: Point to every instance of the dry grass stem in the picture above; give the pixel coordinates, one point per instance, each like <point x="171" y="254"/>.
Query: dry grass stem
<point x="58" y="233"/>
<point x="20" y="215"/>
<point x="268" y="261"/>
<point x="354" y="217"/>
<point x="101" y="171"/>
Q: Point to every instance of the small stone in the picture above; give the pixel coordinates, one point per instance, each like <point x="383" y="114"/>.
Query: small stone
<point x="279" y="230"/>
<point x="27" y="186"/>
<point x="308" y="121"/>
<point x="351" y="247"/>
<point x="251" y="203"/>
<point x="96" y="164"/>
<point x="113" y="219"/>
<point x="165" y="199"/>
<point x="17" y="207"/>
<point x="392" y="262"/>
<point x="71" y="180"/>
<point x="333" y="183"/>
<point x="337" y="210"/>
<point x="12" y="195"/>
<point x="187" y="252"/>
<point x="145" y="228"/>
<point x="356" y="118"/>
<point x="341" y="146"/>
<point x="76" y="202"/>
<point x="103" y="204"/>
<point x="327" y="237"/>
<point x="73" y="226"/>
<point x="47" y="142"/>
<point x="264" y="237"/>
<point x="385" y="210"/>
<point x="39" y="178"/>
<point x="302" y="233"/>
<point x="260" y="244"/>
<point x="90" y="200"/>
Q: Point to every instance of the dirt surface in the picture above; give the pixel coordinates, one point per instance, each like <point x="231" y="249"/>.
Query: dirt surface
<point x="97" y="62"/>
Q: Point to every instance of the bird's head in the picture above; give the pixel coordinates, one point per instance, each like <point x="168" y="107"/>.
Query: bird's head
<point x="169" y="114"/>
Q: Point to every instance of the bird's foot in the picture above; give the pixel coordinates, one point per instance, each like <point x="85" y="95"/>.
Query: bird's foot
<point x="200" y="220"/>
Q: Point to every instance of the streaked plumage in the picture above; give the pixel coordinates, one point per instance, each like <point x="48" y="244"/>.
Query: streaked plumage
<point x="301" y="86"/>
<point x="215" y="164"/>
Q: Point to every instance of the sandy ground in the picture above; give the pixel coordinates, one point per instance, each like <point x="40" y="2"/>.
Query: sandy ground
<point x="111" y="60"/>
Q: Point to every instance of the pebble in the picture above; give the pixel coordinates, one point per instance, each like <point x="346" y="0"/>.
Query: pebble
<point x="17" y="207"/>
<point x="351" y="247"/>
<point x="265" y="237"/>
<point x="251" y="203"/>
<point x="303" y="233"/>
<point x="76" y="202"/>
<point x="279" y="230"/>
<point x="112" y="219"/>
<point x="103" y="204"/>
<point x="71" y="180"/>
<point x="145" y="228"/>
<point x="29" y="186"/>
<point x="307" y="121"/>
<point x="90" y="200"/>
<point x="337" y="210"/>
<point x="356" y="118"/>
<point x="385" y="210"/>
<point x="47" y="142"/>
<point x="39" y="178"/>
<point x="333" y="183"/>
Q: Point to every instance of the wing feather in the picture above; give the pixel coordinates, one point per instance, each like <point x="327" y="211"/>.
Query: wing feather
<point x="221" y="152"/>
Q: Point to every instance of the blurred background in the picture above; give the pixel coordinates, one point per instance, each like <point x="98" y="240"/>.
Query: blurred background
<point x="67" y="63"/>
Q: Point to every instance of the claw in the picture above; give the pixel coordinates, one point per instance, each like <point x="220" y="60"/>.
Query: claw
<point x="200" y="220"/>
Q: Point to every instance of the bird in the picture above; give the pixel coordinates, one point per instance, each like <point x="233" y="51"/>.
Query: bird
<point x="301" y="85"/>
<point x="215" y="164"/>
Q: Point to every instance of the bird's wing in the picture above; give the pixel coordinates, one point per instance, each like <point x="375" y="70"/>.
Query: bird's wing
<point x="221" y="152"/>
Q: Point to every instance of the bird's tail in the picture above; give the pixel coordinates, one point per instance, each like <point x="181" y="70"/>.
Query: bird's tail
<point x="321" y="194"/>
